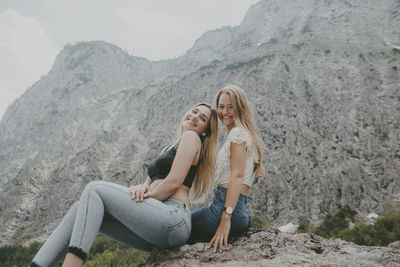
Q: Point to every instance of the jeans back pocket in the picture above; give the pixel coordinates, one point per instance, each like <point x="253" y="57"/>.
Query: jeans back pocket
<point x="178" y="234"/>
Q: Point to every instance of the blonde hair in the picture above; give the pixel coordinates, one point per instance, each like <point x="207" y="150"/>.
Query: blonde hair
<point x="206" y="164"/>
<point x="243" y="117"/>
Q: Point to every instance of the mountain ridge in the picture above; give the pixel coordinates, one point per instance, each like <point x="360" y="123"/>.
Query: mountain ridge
<point x="324" y="94"/>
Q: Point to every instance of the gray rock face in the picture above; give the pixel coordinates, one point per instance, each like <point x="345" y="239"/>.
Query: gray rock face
<point x="323" y="79"/>
<point x="269" y="247"/>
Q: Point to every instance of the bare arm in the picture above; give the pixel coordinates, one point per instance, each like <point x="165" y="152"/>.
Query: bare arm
<point x="186" y="154"/>
<point x="237" y="164"/>
<point x="148" y="181"/>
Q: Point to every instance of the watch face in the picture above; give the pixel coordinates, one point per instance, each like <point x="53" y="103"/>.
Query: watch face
<point x="229" y="210"/>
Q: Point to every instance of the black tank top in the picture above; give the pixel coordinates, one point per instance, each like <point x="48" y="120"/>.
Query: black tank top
<point x="160" y="167"/>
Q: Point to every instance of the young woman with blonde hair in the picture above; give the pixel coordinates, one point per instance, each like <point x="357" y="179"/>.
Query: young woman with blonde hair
<point x="155" y="213"/>
<point x="238" y="162"/>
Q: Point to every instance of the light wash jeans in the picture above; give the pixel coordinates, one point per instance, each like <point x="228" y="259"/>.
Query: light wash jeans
<point x="205" y="221"/>
<point x="109" y="209"/>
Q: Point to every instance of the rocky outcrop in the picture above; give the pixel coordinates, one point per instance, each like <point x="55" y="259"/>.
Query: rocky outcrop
<point x="270" y="247"/>
<point x="322" y="78"/>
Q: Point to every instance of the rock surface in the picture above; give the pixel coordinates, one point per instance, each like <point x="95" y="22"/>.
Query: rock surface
<point x="323" y="79"/>
<point x="270" y="247"/>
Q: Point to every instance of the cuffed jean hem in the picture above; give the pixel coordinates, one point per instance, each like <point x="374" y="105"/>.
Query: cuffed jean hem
<point x="78" y="252"/>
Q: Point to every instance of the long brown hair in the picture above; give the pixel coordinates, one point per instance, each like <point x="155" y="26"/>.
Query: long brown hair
<point x="243" y="117"/>
<point x="206" y="164"/>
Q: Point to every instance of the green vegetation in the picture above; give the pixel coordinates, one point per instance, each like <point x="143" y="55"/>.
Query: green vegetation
<point x="17" y="255"/>
<point x="259" y="221"/>
<point x="305" y="226"/>
<point x="336" y="222"/>
<point x="385" y="230"/>
<point x="336" y="225"/>
<point x="107" y="252"/>
<point x="104" y="252"/>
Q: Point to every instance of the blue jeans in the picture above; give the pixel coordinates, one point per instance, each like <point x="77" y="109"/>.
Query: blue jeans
<point x="109" y="209"/>
<point x="205" y="221"/>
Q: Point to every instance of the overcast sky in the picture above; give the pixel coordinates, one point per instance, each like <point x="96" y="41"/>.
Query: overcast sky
<point x="32" y="32"/>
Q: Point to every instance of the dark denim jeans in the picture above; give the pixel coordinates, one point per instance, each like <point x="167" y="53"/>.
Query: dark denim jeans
<point x="205" y="221"/>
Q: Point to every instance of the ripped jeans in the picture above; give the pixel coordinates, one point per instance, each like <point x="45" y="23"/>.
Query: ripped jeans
<point x="109" y="209"/>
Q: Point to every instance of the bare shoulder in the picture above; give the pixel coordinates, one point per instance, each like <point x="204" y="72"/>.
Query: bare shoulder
<point x="190" y="137"/>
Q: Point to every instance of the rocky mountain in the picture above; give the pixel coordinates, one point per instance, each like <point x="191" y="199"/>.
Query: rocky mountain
<point x="270" y="247"/>
<point x="323" y="78"/>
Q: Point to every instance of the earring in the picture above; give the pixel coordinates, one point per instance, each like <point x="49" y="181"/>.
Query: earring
<point x="203" y="134"/>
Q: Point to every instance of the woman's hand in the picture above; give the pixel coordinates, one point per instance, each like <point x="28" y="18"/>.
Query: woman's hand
<point x="220" y="238"/>
<point x="138" y="191"/>
<point x="148" y="194"/>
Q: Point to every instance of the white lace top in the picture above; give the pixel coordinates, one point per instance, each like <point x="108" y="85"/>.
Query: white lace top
<point x="223" y="171"/>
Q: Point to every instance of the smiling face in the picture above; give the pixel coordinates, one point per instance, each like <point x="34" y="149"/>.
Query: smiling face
<point x="225" y="111"/>
<point x="197" y="119"/>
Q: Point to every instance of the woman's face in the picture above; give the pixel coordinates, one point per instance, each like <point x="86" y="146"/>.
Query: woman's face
<point x="197" y="119"/>
<point x="225" y="111"/>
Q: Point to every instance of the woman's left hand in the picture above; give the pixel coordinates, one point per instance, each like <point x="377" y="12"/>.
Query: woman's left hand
<point x="220" y="238"/>
<point x="148" y="194"/>
<point x="138" y="191"/>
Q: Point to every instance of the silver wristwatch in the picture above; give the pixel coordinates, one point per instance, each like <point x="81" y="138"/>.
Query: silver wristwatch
<point x="228" y="210"/>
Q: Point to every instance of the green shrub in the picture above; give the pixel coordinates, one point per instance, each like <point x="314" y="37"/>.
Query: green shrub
<point x="259" y="221"/>
<point x="361" y="234"/>
<point x="385" y="230"/>
<point x="104" y="252"/>
<point x="336" y="222"/>
<point x="17" y="255"/>
<point x="107" y="252"/>
<point x="124" y="257"/>
<point x="305" y="226"/>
